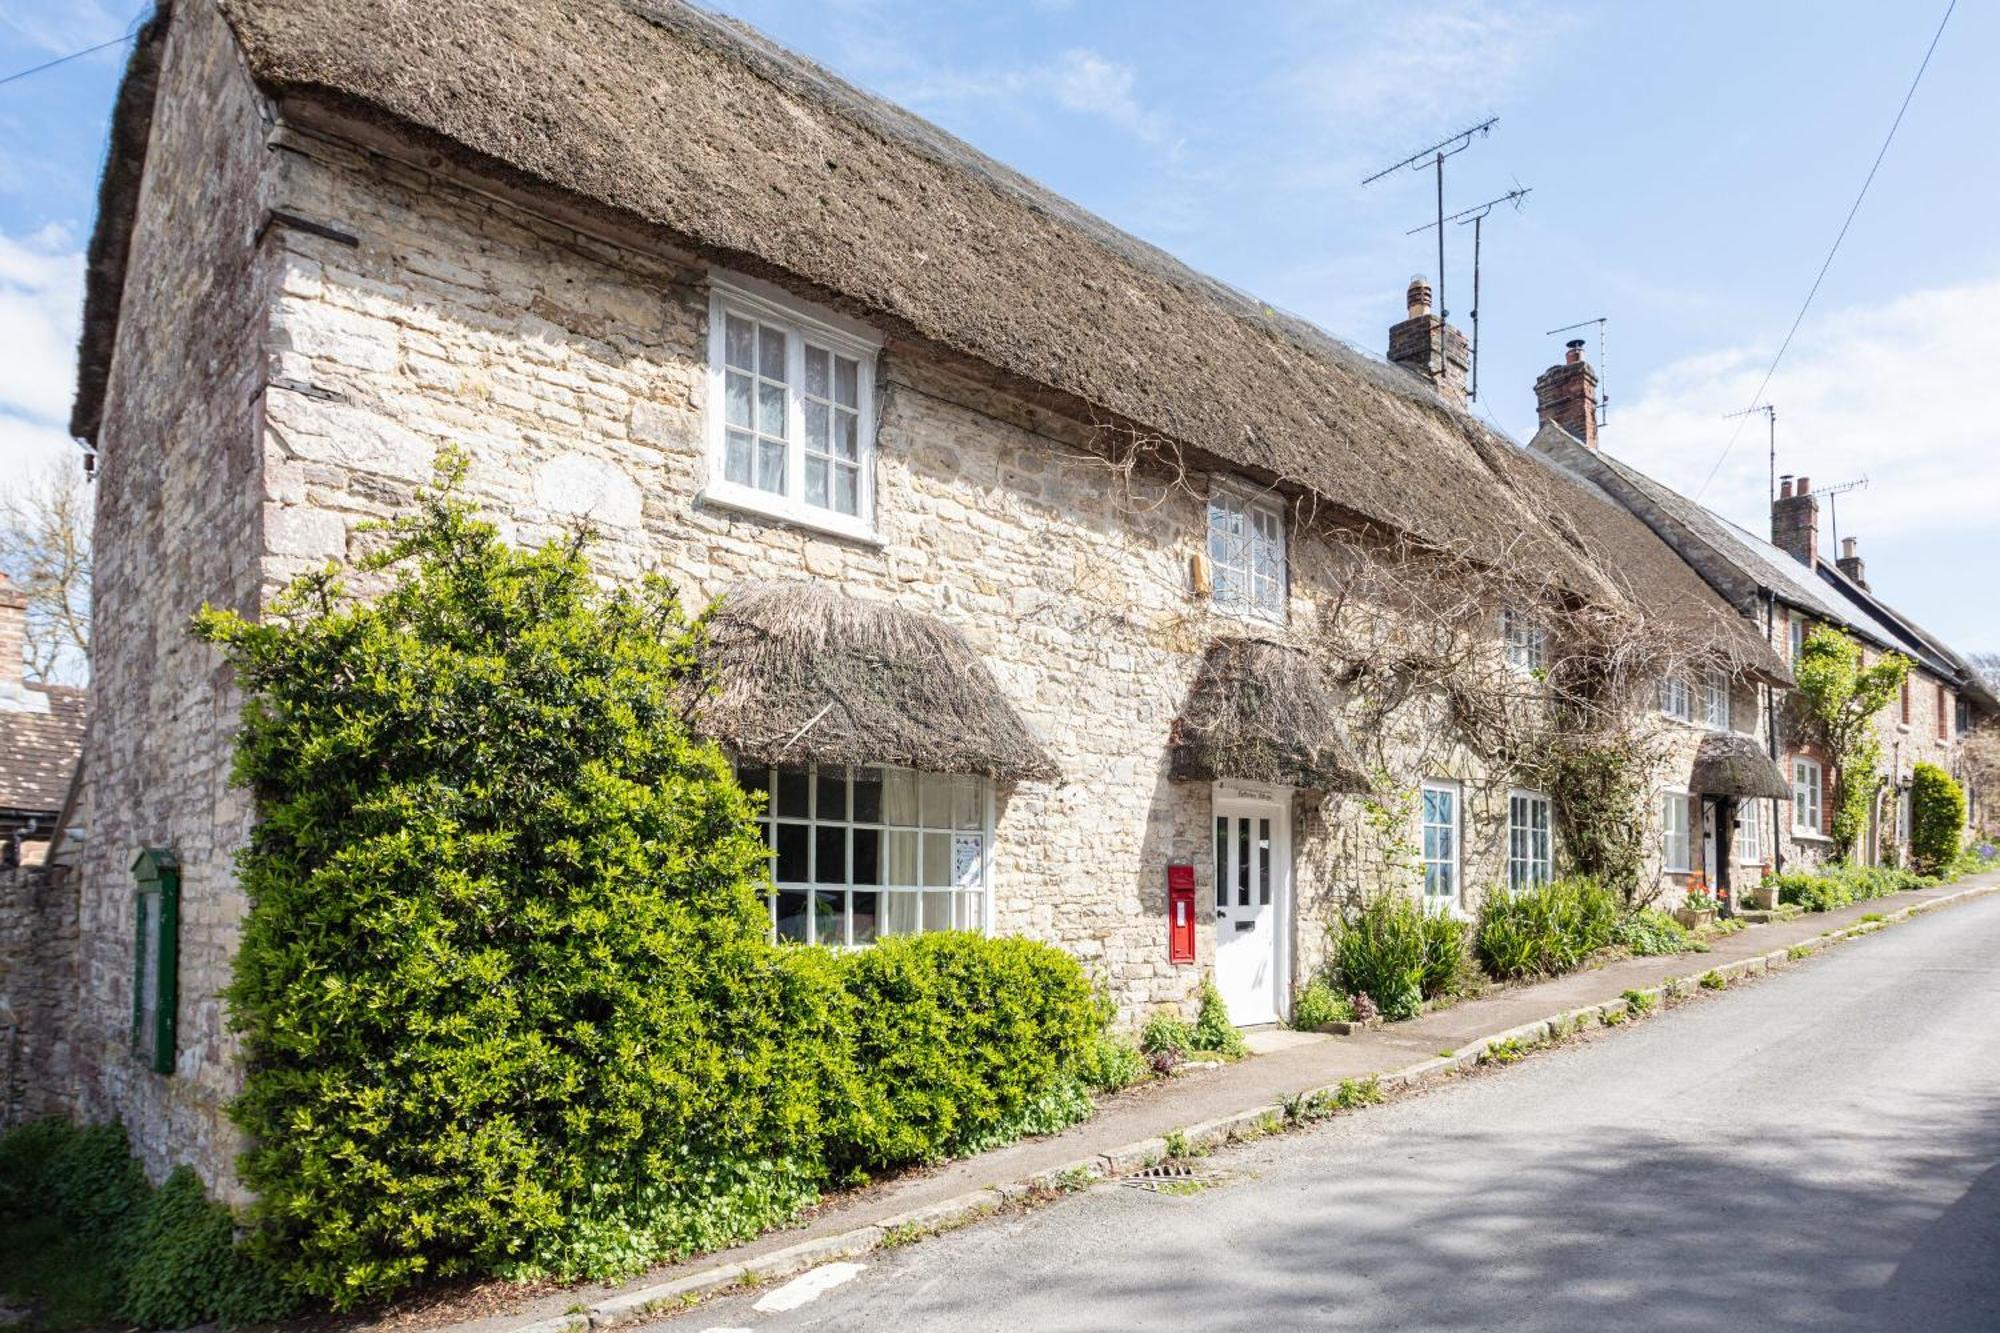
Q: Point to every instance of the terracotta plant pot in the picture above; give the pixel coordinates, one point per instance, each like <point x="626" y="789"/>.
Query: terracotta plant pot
<point x="1692" y="919"/>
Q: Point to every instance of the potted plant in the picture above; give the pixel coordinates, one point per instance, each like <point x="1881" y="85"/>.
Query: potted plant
<point x="1697" y="909"/>
<point x="1763" y="895"/>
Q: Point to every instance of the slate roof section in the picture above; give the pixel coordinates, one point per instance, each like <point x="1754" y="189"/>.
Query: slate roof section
<point x="38" y="752"/>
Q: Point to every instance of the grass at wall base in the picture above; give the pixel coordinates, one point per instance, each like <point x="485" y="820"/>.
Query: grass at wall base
<point x="505" y="987"/>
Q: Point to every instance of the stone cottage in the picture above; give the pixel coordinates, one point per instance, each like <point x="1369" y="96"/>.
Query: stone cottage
<point x="1031" y="539"/>
<point x="1787" y="586"/>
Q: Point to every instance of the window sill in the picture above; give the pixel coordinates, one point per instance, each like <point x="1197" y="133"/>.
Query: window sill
<point x="1807" y="835"/>
<point x="761" y="504"/>
<point x="1248" y="615"/>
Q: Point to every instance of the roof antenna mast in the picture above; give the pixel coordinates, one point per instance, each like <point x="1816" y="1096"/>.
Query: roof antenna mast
<point x="1833" y="509"/>
<point x="1603" y="363"/>
<point x="1476" y="215"/>
<point x="1433" y="157"/>
<point x="1771" y="421"/>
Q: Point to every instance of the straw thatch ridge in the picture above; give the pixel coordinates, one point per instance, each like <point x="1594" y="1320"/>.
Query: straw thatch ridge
<point x="1261" y="712"/>
<point x="800" y="673"/>
<point x="1732" y="764"/>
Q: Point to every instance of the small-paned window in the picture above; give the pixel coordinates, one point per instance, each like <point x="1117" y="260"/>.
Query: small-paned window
<point x="1526" y="639"/>
<point x="1528" y="844"/>
<point x="1440" y="842"/>
<point x="1752" y="842"/>
<point x="1246" y="553"/>
<point x="1798" y="636"/>
<point x="1905" y="701"/>
<point x="860" y="853"/>
<point x="1675" y="844"/>
<point x="1676" y="699"/>
<point x="791" y="413"/>
<point x="1805" y="795"/>
<point x="1715" y="701"/>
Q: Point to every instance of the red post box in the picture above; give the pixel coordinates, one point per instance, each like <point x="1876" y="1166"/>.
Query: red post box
<point x="1180" y="913"/>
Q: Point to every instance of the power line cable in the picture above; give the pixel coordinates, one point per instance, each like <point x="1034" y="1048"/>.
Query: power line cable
<point x="64" y="60"/>
<point x="1758" y="396"/>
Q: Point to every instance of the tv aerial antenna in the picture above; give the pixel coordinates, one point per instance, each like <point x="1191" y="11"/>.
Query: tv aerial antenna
<point x="1433" y="157"/>
<point x="1603" y="363"/>
<point x="1833" y="509"/>
<point x="1771" y="421"/>
<point x="1476" y="215"/>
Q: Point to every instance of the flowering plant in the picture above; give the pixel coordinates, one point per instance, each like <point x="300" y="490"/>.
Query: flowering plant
<point x="1699" y="900"/>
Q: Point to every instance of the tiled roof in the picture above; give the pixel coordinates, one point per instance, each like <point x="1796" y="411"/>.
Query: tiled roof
<point x="38" y="751"/>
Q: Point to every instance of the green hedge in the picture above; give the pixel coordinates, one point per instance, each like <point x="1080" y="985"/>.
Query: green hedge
<point x="506" y="988"/>
<point x="1937" y="819"/>
<point x="89" y="1238"/>
<point x="1398" y="954"/>
<point x="1547" y="930"/>
<point x="1839" y="886"/>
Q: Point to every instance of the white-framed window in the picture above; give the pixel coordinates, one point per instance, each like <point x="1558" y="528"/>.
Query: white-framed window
<point x="860" y="853"/>
<point x="1246" y="552"/>
<point x="1526" y="640"/>
<point x="1798" y="623"/>
<point x="1903" y="814"/>
<point x="1676" y="846"/>
<point x="1752" y="845"/>
<point x="1440" y="820"/>
<point x="791" y="417"/>
<point x="1530" y="851"/>
<point x="1715" y="701"/>
<point x="1806" y="792"/>
<point x="1676" y="699"/>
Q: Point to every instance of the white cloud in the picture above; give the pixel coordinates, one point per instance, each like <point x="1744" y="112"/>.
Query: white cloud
<point x="1078" y="81"/>
<point x="41" y="299"/>
<point x="1419" y="66"/>
<point x="1898" y="392"/>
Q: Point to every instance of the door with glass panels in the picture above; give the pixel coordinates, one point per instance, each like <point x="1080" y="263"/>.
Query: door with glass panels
<point x="1252" y="890"/>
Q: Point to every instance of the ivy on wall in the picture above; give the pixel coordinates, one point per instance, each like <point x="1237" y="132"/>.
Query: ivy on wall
<point x="1836" y="704"/>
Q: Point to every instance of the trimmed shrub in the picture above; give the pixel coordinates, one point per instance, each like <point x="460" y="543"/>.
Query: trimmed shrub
<point x="1937" y="819"/>
<point x="1547" y="930"/>
<point x="1649" y="932"/>
<point x="954" y="1036"/>
<point x="1399" y="954"/>
<point x="1319" y="1004"/>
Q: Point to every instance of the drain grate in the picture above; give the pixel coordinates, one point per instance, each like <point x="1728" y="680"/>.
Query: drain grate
<point x="1172" y="1178"/>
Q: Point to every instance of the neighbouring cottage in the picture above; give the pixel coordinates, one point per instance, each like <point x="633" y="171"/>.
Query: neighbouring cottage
<point x="1787" y="587"/>
<point x="1053" y="572"/>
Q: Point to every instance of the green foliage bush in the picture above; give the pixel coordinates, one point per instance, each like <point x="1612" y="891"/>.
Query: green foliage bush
<point x="1937" y="819"/>
<point x="1398" y="954"/>
<point x="1212" y="1029"/>
<point x="1547" y="930"/>
<point x="164" y="1258"/>
<point x="506" y="987"/>
<point x="1320" y="1003"/>
<point x="1167" y="1034"/>
<point x="1840" y="886"/>
<point x="1649" y="932"/>
<point x="1114" y="1063"/>
<point x="955" y="1035"/>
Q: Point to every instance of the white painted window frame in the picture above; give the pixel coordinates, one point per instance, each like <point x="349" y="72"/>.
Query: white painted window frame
<point x="1455" y="863"/>
<point x="1750" y="825"/>
<point x="1252" y="501"/>
<point x="1526" y="640"/>
<point x="1810" y="795"/>
<point x="1676" y="836"/>
<point x="1676" y="698"/>
<point x="1538" y="865"/>
<point x="1715" y="701"/>
<point x="802" y="323"/>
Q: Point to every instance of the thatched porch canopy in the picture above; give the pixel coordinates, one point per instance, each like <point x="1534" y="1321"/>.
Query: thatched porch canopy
<point x="800" y="673"/>
<point x="1732" y="764"/>
<point x="1261" y="712"/>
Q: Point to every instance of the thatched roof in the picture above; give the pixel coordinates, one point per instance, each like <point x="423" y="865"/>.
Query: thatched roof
<point x="802" y="673"/>
<point x="1261" y="712"/>
<point x="1732" y="764"/>
<point x="656" y="115"/>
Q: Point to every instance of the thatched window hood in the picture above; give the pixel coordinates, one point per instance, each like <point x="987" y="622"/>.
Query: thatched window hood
<point x="1732" y="764"/>
<point x="801" y="673"/>
<point x="1260" y="712"/>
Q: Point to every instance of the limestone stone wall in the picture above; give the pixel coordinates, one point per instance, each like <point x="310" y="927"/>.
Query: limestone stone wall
<point x="38" y="993"/>
<point x="177" y="523"/>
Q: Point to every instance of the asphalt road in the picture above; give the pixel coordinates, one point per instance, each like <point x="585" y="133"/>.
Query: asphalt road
<point x="1819" y="1149"/>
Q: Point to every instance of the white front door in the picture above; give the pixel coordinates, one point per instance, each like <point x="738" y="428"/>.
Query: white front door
<point x="1711" y="813"/>
<point x="1253" y="869"/>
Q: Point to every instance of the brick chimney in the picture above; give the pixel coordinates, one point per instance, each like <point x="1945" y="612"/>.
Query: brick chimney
<point x="1850" y="563"/>
<point x="15" y="696"/>
<point x="1429" y="348"/>
<point x="1567" y="395"/>
<point x="1795" y="521"/>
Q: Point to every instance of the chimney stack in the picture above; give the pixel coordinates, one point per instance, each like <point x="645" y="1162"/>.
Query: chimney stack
<point x="1795" y="521"/>
<point x="15" y="696"/>
<point x="1850" y="563"/>
<point x="1429" y="348"/>
<point x="1567" y="395"/>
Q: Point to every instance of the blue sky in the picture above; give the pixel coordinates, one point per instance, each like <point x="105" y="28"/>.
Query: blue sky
<point x="1690" y="163"/>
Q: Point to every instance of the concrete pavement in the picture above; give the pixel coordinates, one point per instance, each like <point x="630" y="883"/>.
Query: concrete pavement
<point x="1820" y="1150"/>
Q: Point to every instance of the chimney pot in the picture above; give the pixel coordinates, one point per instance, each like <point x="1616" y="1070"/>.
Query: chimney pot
<point x="1566" y="394"/>
<point x="1785" y="487"/>
<point x="1847" y="548"/>
<point x="1575" y="352"/>
<point x="1418" y="296"/>
<point x="1795" y="521"/>
<point x="1429" y="348"/>
<point x="1805" y="485"/>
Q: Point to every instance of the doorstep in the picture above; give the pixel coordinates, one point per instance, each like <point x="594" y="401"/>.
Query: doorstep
<point x="1205" y="1106"/>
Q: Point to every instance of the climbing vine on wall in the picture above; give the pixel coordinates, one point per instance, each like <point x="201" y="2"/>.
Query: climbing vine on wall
<point x="1836" y="704"/>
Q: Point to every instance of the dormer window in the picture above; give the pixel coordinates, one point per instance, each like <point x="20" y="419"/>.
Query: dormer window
<point x="1676" y="700"/>
<point x="791" y="418"/>
<point x="1526" y="641"/>
<point x="1246" y="552"/>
